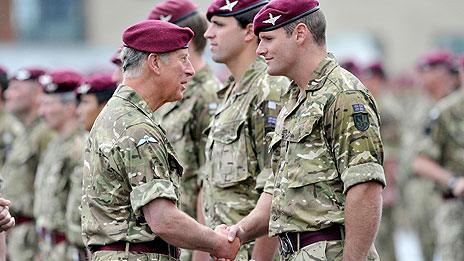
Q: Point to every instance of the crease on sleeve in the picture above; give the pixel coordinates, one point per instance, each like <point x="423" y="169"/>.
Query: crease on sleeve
<point x="157" y="188"/>
<point x="262" y="178"/>
<point x="363" y="173"/>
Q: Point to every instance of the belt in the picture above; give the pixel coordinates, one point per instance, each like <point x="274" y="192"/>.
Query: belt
<point x="448" y="196"/>
<point x="157" y="246"/>
<point x="52" y="236"/>
<point x="294" y="241"/>
<point x="23" y="219"/>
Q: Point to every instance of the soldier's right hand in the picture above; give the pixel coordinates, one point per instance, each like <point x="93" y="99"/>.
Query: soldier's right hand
<point x="227" y="250"/>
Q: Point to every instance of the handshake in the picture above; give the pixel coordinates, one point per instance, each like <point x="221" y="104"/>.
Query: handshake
<point x="6" y="220"/>
<point x="231" y="243"/>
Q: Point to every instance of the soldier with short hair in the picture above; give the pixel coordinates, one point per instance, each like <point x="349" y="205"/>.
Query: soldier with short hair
<point x="324" y="202"/>
<point x="23" y="99"/>
<point x="238" y="162"/>
<point x="61" y="162"/>
<point x="131" y="172"/>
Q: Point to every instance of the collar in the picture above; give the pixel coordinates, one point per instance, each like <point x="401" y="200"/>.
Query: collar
<point x="257" y="67"/>
<point x="127" y="93"/>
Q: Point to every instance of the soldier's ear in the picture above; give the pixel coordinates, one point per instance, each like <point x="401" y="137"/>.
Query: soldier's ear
<point x="301" y="33"/>
<point x="249" y="34"/>
<point x="154" y="63"/>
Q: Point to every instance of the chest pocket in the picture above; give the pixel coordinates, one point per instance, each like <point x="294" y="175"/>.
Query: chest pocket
<point x="308" y="159"/>
<point x="229" y="147"/>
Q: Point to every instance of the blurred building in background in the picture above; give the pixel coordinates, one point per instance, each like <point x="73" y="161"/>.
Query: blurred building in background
<point x="84" y="33"/>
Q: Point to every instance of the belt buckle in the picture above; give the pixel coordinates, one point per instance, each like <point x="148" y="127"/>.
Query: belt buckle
<point x="286" y="247"/>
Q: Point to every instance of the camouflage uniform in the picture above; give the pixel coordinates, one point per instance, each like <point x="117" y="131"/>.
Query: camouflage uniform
<point x="418" y="198"/>
<point x="445" y="145"/>
<point x="19" y="174"/>
<point x="61" y="161"/>
<point x="128" y="163"/>
<point x="390" y="131"/>
<point x="326" y="141"/>
<point x="238" y="162"/>
<point x="10" y="128"/>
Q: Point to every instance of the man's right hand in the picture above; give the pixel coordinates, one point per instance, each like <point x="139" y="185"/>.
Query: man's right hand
<point x="228" y="248"/>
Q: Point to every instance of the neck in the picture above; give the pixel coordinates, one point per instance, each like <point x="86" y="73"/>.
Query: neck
<point x="28" y="117"/>
<point x="143" y="86"/>
<point x="240" y="64"/>
<point x="303" y="69"/>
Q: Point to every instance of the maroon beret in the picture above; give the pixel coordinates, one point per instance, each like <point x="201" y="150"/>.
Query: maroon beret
<point x="375" y="68"/>
<point x="60" y="81"/>
<point x="232" y="7"/>
<point x="281" y="12"/>
<point x="173" y="11"/>
<point x="30" y="73"/>
<point x="154" y="36"/>
<point x="97" y="83"/>
<point x="116" y="59"/>
<point x="435" y="58"/>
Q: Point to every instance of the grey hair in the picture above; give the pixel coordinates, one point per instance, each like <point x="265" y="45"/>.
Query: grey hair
<point x="316" y="24"/>
<point x="132" y="61"/>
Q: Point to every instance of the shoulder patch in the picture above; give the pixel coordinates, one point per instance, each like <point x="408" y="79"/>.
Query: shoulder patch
<point x="146" y="139"/>
<point x="272" y="105"/>
<point x="358" y="107"/>
<point x="361" y="121"/>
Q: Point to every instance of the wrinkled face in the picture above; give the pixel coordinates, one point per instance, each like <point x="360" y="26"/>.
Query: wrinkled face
<point x="21" y="96"/>
<point x="54" y="111"/>
<point x="176" y="71"/>
<point x="88" y="110"/>
<point x="226" y="38"/>
<point x="278" y="49"/>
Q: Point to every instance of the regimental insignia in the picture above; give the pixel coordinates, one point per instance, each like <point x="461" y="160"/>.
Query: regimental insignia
<point x="271" y="120"/>
<point x="361" y="121"/>
<point x="272" y="19"/>
<point x="166" y="18"/>
<point x="23" y="75"/>
<point x="229" y="6"/>
<point x="146" y="139"/>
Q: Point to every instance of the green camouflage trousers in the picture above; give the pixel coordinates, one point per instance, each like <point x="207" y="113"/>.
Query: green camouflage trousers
<point x="450" y="230"/>
<point x="22" y="242"/>
<point x="129" y="256"/>
<point x="324" y="251"/>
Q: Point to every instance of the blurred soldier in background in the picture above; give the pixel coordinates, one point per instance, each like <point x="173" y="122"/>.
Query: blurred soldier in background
<point x="185" y="120"/>
<point x="441" y="159"/>
<point x="92" y="96"/>
<point x="238" y="161"/>
<point x="434" y="71"/>
<point x="375" y="79"/>
<point x="117" y="72"/>
<point x="60" y="164"/>
<point x="23" y="99"/>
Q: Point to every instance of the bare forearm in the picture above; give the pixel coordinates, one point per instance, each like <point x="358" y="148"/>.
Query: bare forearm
<point x="265" y="248"/>
<point x="363" y="209"/>
<point x="179" y="229"/>
<point x="256" y="224"/>
<point x="427" y="168"/>
<point x="2" y="246"/>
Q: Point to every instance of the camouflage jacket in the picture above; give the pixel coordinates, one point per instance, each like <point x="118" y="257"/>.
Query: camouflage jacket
<point x="61" y="161"/>
<point x="10" y="128"/>
<point x="21" y="167"/>
<point x="185" y="121"/>
<point x="238" y="162"/>
<point x="128" y="162"/>
<point x="326" y="140"/>
<point x="444" y="140"/>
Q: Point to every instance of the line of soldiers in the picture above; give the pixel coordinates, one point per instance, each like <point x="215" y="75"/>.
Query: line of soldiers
<point x="287" y="153"/>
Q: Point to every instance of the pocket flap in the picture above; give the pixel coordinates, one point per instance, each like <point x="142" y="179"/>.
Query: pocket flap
<point x="303" y="128"/>
<point x="227" y="132"/>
